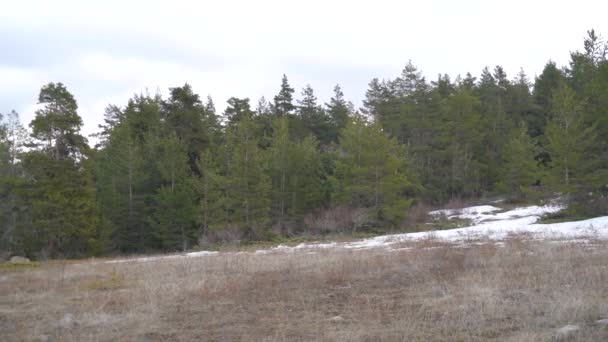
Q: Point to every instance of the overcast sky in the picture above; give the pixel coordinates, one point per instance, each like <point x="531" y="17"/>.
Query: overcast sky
<point x="105" y="51"/>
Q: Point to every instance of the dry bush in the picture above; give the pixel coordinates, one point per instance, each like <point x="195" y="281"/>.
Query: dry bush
<point x="433" y="291"/>
<point x="284" y="229"/>
<point x="226" y="234"/>
<point x="337" y="219"/>
<point x="417" y="214"/>
<point x="457" y="203"/>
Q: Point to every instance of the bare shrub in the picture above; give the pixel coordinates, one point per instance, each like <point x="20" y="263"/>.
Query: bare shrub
<point x="337" y="219"/>
<point x="227" y="234"/>
<point x="284" y="229"/>
<point x="419" y="213"/>
<point x="457" y="203"/>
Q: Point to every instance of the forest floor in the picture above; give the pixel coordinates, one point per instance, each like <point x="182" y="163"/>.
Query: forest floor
<point x="503" y="278"/>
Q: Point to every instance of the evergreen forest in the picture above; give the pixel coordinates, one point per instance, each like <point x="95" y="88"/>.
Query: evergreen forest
<point x="172" y="173"/>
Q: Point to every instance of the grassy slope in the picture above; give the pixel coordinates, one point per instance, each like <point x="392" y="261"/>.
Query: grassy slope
<point x="521" y="291"/>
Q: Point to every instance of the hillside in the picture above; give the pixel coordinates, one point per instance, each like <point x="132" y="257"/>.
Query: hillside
<point x="502" y="278"/>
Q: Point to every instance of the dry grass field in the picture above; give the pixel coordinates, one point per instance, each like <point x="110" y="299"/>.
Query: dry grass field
<point x="425" y="291"/>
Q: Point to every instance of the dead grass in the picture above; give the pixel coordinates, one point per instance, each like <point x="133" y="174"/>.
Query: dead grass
<point x="427" y="291"/>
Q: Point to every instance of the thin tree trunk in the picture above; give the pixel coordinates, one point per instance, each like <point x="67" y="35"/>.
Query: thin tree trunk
<point x="247" y="179"/>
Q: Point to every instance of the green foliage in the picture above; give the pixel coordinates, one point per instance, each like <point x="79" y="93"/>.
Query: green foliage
<point x="520" y="170"/>
<point x="544" y="86"/>
<point x="569" y="142"/>
<point x="191" y="123"/>
<point x="57" y="124"/>
<point x="58" y="192"/>
<point x="128" y="175"/>
<point x="244" y="186"/>
<point x="167" y="174"/>
<point x="283" y="101"/>
<point x="175" y="212"/>
<point x="314" y="120"/>
<point x="296" y="174"/>
<point x="371" y="172"/>
<point x="339" y="111"/>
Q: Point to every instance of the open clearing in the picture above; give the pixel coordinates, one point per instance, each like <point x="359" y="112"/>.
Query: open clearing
<point x="504" y="279"/>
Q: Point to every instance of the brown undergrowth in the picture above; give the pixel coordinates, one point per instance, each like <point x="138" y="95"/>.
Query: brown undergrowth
<point x="428" y="291"/>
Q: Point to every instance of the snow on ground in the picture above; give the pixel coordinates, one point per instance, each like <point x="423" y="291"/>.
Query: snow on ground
<point x="488" y="223"/>
<point x="163" y="257"/>
<point x="485" y="213"/>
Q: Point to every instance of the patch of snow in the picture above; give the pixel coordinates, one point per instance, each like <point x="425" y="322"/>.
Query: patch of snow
<point x="602" y="322"/>
<point x="486" y="213"/>
<point x="162" y="257"/>
<point x="201" y="253"/>
<point x="465" y="212"/>
<point x="488" y="225"/>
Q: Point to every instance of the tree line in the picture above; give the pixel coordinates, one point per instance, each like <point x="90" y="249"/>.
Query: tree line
<point x="171" y="173"/>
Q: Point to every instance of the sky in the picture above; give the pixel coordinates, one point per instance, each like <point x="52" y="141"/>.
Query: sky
<point x="107" y="51"/>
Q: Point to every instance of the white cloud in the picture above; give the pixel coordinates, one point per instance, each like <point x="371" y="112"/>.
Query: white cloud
<point x="106" y="51"/>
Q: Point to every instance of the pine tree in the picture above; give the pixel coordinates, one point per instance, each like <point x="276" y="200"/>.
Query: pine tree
<point x="209" y="189"/>
<point x="237" y="110"/>
<point x="313" y="118"/>
<point x="58" y="123"/>
<point x="520" y="99"/>
<point x="375" y="95"/>
<point x="544" y="86"/>
<point x="520" y="170"/>
<point x="583" y="68"/>
<point x="283" y="101"/>
<point x="185" y="115"/>
<point x="245" y="187"/>
<point x="372" y="173"/>
<point x="410" y="82"/>
<point x="569" y="143"/>
<point x="338" y="110"/>
<point x="112" y="116"/>
<point x="7" y="193"/>
<point x="280" y="162"/>
<point x="128" y="176"/>
<point x="119" y="173"/>
<point x="465" y="157"/>
<point x="175" y="212"/>
<point x="62" y="194"/>
<point x="307" y="180"/>
<point x="264" y="118"/>
<point x="296" y="174"/>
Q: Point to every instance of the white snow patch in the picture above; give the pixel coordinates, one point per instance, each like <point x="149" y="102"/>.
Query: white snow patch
<point x="488" y="224"/>
<point x="162" y="257"/>
<point x="201" y="253"/>
<point x="470" y="212"/>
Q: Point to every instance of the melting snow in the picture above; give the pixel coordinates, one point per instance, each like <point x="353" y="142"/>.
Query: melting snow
<point x="488" y="223"/>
